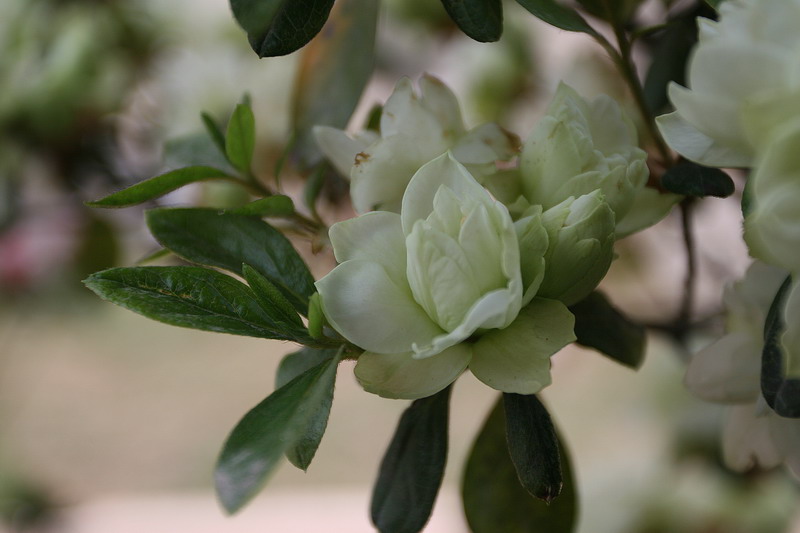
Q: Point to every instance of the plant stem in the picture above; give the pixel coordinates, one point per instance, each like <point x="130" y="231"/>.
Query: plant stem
<point x="684" y="317"/>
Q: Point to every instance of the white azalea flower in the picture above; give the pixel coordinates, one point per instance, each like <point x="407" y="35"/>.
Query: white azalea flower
<point x="744" y="81"/>
<point x="413" y="130"/>
<point x="440" y="287"/>
<point x="728" y="371"/>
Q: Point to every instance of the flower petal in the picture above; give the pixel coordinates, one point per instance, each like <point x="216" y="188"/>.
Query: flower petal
<point x="517" y="358"/>
<point x="376" y="236"/>
<point x="371" y="310"/>
<point x="647" y="209"/>
<point x="486" y="144"/>
<point x="727" y="371"/>
<point x="338" y="147"/>
<point x="440" y="101"/>
<point x="401" y="376"/>
<point x="746" y="441"/>
<point x="697" y="146"/>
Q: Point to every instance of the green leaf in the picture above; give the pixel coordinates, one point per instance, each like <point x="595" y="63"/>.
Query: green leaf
<point x="599" y="325"/>
<point x="240" y="139"/>
<point x="493" y="498"/>
<point x="257" y="443"/>
<point x="333" y="72"/>
<point x="271" y="206"/>
<point x="714" y="3"/>
<point x="158" y="186"/>
<point x="196" y="149"/>
<point x="190" y="297"/>
<point x="533" y="445"/>
<point x="314" y="186"/>
<point x="208" y="237"/>
<point x="412" y="469"/>
<point x="557" y="15"/>
<point x="781" y="393"/>
<point x="316" y="318"/>
<point x="279" y="27"/>
<point x="691" y="179"/>
<point x="481" y="20"/>
<point x="271" y="298"/>
<point x="214" y="131"/>
<point x="294" y="364"/>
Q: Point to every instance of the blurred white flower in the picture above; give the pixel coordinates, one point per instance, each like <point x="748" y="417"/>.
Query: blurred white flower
<point x="411" y="288"/>
<point x="744" y="81"/>
<point x="413" y="131"/>
<point x="728" y="371"/>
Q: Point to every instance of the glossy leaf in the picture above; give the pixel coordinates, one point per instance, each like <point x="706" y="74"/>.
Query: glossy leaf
<point x="223" y="240"/>
<point x="240" y="139"/>
<point x="271" y="298"/>
<point x="481" y="20"/>
<point x="558" y="15"/>
<point x="279" y="27"/>
<point x="493" y="498"/>
<point x="257" y="443"/>
<point x="781" y="392"/>
<point x="691" y="179"/>
<point x="196" y="150"/>
<point x="190" y="297"/>
<point x="599" y="325"/>
<point x="533" y="445"/>
<point x="158" y="186"/>
<point x="412" y="469"/>
<point x="333" y="71"/>
<point x="271" y="206"/>
<point x="291" y="366"/>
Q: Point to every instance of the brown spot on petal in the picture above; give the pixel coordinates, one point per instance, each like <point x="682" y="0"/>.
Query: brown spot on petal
<point x="361" y="157"/>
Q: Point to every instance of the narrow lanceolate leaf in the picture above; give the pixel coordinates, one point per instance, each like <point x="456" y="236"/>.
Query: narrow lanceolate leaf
<point x="782" y="393"/>
<point x="279" y="27"/>
<point x="159" y="186"/>
<point x="533" y="445"/>
<point x="493" y="498"/>
<point x="333" y="72"/>
<point x="412" y="469"/>
<point x="271" y="206"/>
<point x="692" y="179"/>
<point x="599" y="325"/>
<point x="558" y="15"/>
<point x="240" y="139"/>
<point x="224" y="240"/>
<point x="271" y="299"/>
<point x="257" y="443"/>
<point x="214" y="131"/>
<point x="293" y="365"/>
<point x="481" y="20"/>
<point x="191" y="297"/>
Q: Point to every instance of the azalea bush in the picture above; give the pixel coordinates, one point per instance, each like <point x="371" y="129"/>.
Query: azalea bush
<point x="476" y="249"/>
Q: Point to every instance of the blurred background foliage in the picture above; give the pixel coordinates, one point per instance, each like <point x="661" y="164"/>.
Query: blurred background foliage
<point x="94" y="401"/>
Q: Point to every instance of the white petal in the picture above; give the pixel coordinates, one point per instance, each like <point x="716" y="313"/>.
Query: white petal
<point x="440" y="101"/>
<point x="648" y="208"/>
<point x="402" y="376"/>
<point x="404" y="114"/>
<point x="746" y="440"/>
<point x="785" y="433"/>
<point x="713" y="115"/>
<point x="376" y="236"/>
<point x="486" y="144"/>
<point x="338" y="147"/>
<point x="727" y="371"/>
<point x="517" y="358"/>
<point x="370" y="310"/>
<point x="699" y="147"/>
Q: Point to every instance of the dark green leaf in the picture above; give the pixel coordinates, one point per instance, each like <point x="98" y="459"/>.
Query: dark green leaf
<point x="493" y="498"/>
<point x="533" y="445"/>
<point x="294" y="364"/>
<point x="412" y="469"/>
<point x="214" y="131"/>
<point x="279" y="27"/>
<point x="158" y="186"/>
<point x="196" y="149"/>
<point x="240" y="139"/>
<point x="99" y="246"/>
<point x="208" y="237"/>
<point x="271" y="206"/>
<point x="557" y="15"/>
<point x="714" y="3"/>
<point x="333" y="72"/>
<point x="781" y="393"/>
<point x="314" y="186"/>
<point x="481" y="20"/>
<point x="190" y="297"/>
<point x="257" y="443"/>
<point x="271" y="299"/>
<point x="691" y="179"/>
<point x="599" y="325"/>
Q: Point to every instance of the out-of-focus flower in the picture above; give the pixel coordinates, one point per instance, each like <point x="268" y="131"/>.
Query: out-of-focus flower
<point x="438" y="288"/>
<point x="580" y="146"/>
<point x="744" y="82"/>
<point x="728" y="371"/>
<point x="413" y="131"/>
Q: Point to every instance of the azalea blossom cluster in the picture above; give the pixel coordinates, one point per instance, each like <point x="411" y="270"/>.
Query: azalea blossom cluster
<point x="455" y="263"/>
<point x="742" y="109"/>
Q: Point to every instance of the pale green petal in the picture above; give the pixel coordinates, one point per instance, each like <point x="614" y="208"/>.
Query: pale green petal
<point x="746" y="441"/>
<point x="482" y="247"/>
<point x="517" y="358"/>
<point x="785" y="433"/>
<point x="697" y="146"/>
<point x="612" y="130"/>
<point x="402" y="376"/>
<point x="533" y="244"/>
<point x="404" y="114"/>
<point x="375" y="236"/>
<point x="339" y="148"/>
<point x="440" y="101"/>
<point x="486" y="144"/>
<point x="370" y="310"/>
<point x="648" y="208"/>
<point x="727" y="371"/>
<point x="714" y="116"/>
